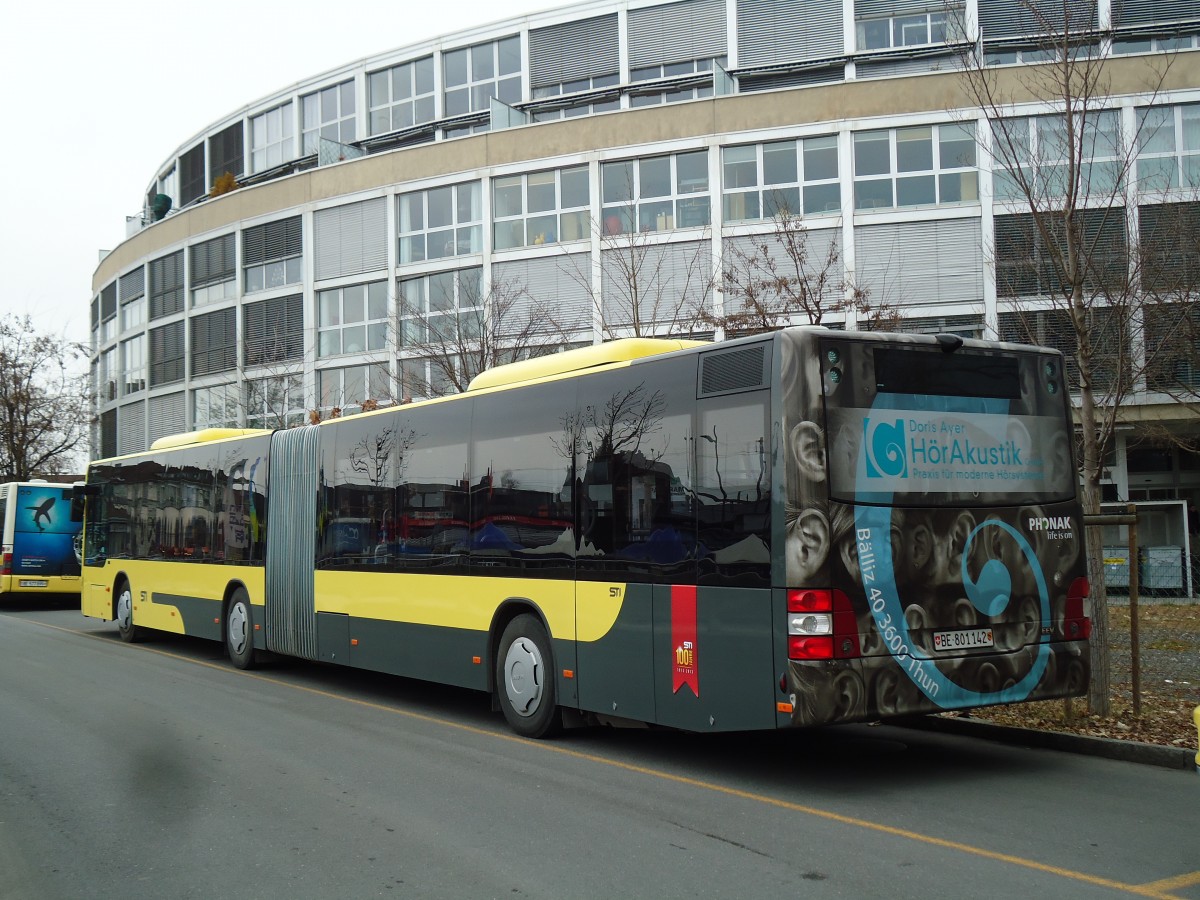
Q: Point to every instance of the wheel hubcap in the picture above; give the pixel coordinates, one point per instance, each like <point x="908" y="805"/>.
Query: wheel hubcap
<point x="124" y="609"/>
<point x="523" y="676"/>
<point x="237" y="627"/>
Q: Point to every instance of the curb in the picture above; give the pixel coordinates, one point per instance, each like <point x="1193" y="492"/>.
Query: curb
<point x="1108" y="748"/>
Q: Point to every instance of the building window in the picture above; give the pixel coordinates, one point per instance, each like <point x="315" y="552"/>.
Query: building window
<point x="133" y="365"/>
<point x="271" y="138"/>
<point x="541" y="208"/>
<point x="655" y="193"/>
<point x="1155" y="45"/>
<point x="551" y="109"/>
<point x="912" y="30"/>
<point x="401" y="96"/>
<point x="672" y="70"/>
<point x="108" y="313"/>
<point x="352" y="319"/>
<point x="166" y="285"/>
<point x="133" y="299"/>
<point x="191" y="175"/>
<point x="166" y="354"/>
<point x="473" y="75"/>
<point x="215" y="407"/>
<point x="1170" y="265"/>
<point x="329" y="114"/>
<point x="225" y="153"/>
<point x="109" y="374"/>
<point x="575" y="111"/>
<point x="920" y="166"/>
<point x="441" y="222"/>
<point x="274" y="402"/>
<point x="761" y="181"/>
<point x="272" y="254"/>
<point x="442" y="310"/>
<point x="273" y="330"/>
<point x="422" y="378"/>
<point x="1034" y="152"/>
<point x="576" y="86"/>
<point x="348" y="387"/>
<point x="1025" y="266"/>
<point x="1169" y="148"/>
<point x="213" y="270"/>
<point x="133" y="314"/>
<point x="214" y="342"/>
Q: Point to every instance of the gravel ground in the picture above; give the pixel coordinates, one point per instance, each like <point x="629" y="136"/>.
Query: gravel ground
<point x="1169" y="638"/>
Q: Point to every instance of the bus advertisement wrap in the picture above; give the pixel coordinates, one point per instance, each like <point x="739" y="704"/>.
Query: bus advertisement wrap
<point x="44" y="533"/>
<point x="946" y="519"/>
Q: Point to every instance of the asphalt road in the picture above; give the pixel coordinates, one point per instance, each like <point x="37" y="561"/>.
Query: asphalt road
<point x="158" y="770"/>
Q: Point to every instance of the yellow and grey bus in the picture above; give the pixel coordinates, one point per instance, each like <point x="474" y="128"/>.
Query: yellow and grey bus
<point x="793" y="529"/>
<point x="39" y="540"/>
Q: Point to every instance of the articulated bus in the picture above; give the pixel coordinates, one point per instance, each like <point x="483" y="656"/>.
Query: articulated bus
<point x="39" y="540"/>
<point x="794" y="529"/>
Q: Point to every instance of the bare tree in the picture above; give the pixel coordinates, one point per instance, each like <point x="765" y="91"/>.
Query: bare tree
<point x="1087" y="278"/>
<point x="783" y="278"/>
<point x="44" y="402"/>
<point x="479" y="332"/>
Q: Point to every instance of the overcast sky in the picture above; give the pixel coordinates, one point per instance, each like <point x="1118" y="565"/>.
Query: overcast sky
<point x="99" y="94"/>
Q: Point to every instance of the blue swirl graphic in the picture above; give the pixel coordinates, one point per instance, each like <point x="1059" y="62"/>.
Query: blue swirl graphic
<point x="887" y="450"/>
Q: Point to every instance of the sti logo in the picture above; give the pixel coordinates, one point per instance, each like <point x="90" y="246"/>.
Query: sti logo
<point x="884" y="449"/>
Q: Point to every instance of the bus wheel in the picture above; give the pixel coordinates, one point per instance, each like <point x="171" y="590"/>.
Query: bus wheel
<point x="239" y="630"/>
<point x="525" y="678"/>
<point x="129" y="632"/>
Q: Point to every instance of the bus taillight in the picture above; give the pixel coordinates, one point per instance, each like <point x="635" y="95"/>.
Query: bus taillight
<point x="6" y="566"/>
<point x="821" y="625"/>
<point x="1076" y="624"/>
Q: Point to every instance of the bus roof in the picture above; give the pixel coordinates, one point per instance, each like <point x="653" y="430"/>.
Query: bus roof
<point x="624" y="350"/>
<point x="204" y="436"/>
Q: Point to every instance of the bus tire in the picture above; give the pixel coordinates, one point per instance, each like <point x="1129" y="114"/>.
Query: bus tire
<point x="123" y="613"/>
<point x="525" y="682"/>
<point x="239" y="630"/>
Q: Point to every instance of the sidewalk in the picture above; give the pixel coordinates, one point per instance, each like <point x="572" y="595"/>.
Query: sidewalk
<point x="1108" y="748"/>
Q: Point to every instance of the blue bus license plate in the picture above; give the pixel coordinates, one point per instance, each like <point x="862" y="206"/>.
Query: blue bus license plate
<point x="963" y="640"/>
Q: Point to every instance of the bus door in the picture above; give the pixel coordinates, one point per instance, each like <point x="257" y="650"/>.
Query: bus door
<point x="714" y="655"/>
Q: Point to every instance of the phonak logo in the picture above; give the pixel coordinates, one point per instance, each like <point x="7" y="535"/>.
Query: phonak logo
<point x="884" y="446"/>
<point x="1049" y="523"/>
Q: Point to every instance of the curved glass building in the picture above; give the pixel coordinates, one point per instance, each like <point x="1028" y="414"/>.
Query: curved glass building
<point x="600" y="169"/>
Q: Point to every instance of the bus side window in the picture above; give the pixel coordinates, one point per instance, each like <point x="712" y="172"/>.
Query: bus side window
<point x="733" y="487"/>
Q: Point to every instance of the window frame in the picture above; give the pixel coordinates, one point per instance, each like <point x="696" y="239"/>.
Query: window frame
<point x="374" y="327"/>
<point x="269" y="150"/>
<point x="574" y="217"/>
<point x="901" y="174"/>
<point x="459" y="230"/>
<point x="661" y="210"/>
<point x="310" y="133"/>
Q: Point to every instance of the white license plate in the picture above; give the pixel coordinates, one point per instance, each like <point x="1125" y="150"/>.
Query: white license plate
<point x="962" y="640"/>
<point x="33" y="582"/>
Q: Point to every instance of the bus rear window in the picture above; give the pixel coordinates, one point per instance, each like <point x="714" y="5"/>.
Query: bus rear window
<point x="907" y="371"/>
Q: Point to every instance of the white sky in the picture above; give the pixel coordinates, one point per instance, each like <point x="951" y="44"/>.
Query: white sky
<point x="97" y="95"/>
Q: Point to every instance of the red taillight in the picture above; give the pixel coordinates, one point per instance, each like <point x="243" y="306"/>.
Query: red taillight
<point x="810" y="601"/>
<point x="818" y="647"/>
<point x="821" y="625"/>
<point x="6" y="567"/>
<point x="1076" y="624"/>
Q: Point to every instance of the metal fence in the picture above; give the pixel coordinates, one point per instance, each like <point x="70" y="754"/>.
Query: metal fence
<point x="1161" y="571"/>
